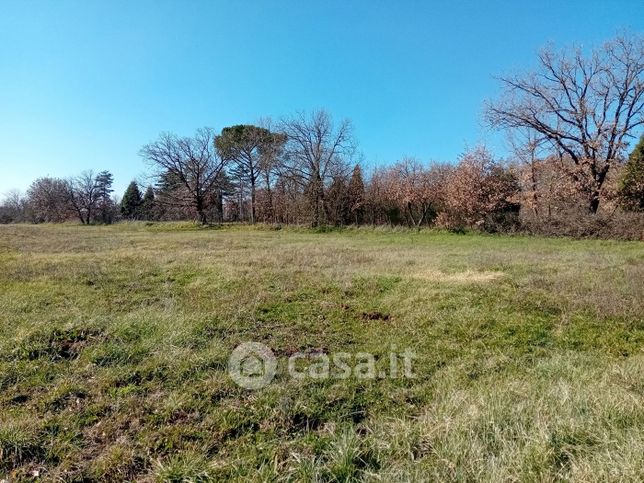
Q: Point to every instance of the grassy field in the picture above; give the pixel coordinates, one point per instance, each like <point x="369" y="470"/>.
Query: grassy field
<point x="114" y="346"/>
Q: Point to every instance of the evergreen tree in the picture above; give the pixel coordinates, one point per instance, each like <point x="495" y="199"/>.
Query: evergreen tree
<point x="104" y="202"/>
<point x="631" y="189"/>
<point x="249" y="148"/>
<point x="147" y="205"/>
<point x="131" y="202"/>
<point x="337" y="202"/>
<point x="356" y="195"/>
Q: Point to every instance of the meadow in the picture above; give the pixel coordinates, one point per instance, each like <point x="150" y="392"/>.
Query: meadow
<point x="115" y="340"/>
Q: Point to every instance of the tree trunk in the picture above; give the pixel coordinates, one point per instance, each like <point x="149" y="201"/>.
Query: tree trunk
<point x="252" y="201"/>
<point x="535" y="198"/>
<point x="319" y="205"/>
<point x="271" y="207"/>
<point x="202" y="217"/>
<point x="201" y="213"/>
<point x="220" y="206"/>
<point x="594" y="201"/>
<point x="240" y="200"/>
<point x="412" y="218"/>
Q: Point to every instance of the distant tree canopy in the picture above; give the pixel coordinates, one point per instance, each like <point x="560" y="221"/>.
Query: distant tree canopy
<point x="569" y="124"/>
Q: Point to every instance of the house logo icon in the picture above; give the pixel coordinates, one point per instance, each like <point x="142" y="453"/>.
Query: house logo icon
<point x="252" y="365"/>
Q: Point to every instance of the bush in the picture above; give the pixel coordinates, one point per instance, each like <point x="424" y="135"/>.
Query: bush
<point x="578" y="223"/>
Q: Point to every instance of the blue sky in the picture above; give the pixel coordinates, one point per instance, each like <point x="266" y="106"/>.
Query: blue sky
<point x="84" y="83"/>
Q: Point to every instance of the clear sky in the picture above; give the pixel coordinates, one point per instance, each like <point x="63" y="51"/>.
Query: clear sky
<point x="85" y="83"/>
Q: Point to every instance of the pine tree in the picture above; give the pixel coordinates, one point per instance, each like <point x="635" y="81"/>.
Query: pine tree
<point x="249" y="148"/>
<point x="631" y="189"/>
<point x="147" y="205"/>
<point x="356" y="195"/>
<point x="104" y="202"/>
<point x="131" y="202"/>
<point x="337" y="201"/>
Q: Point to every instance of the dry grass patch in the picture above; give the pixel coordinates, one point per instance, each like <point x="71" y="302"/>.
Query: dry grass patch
<point x="467" y="276"/>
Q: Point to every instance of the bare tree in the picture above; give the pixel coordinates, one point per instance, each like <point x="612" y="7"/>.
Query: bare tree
<point x="586" y="107"/>
<point x="411" y="186"/>
<point x="48" y="200"/>
<point x="84" y="193"/>
<point x="316" y="152"/>
<point x="193" y="166"/>
<point x="13" y="208"/>
<point x="527" y="146"/>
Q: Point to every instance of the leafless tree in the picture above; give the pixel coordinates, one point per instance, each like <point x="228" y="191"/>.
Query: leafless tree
<point x="48" y="200"/>
<point x="84" y="192"/>
<point x="316" y="151"/>
<point x="410" y="184"/>
<point x="527" y="148"/>
<point x="13" y="207"/>
<point x="192" y="164"/>
<point x="586" y="107"/>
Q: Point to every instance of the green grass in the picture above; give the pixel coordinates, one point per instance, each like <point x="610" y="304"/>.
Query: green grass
<point x="114" y="345"/>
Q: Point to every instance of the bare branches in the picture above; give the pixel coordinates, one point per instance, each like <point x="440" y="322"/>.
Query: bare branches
<point x="316" y="152"/>
<point x="585" y="107"/>
<point x="83" y="192"/>
<point x="48" y="200"/>
<point x="190" y="162"/>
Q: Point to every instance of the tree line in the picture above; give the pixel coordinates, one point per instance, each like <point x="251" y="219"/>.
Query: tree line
<point x="570" y="124"/>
